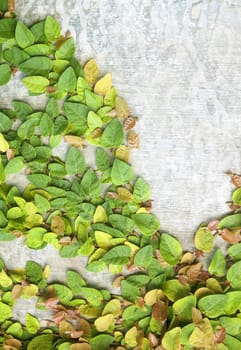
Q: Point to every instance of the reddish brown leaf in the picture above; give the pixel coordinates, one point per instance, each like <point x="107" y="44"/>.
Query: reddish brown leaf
<point x="133" y="139"/>
<point x="230" y="236"/>
<point x="220" y="335"/>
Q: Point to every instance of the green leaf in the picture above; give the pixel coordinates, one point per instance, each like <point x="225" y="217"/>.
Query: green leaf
<point x="36" y="84"/>
<point x="37" y="50"/>
<point x="6" y="123"/>
<point x="82" y="85"/>
<point x="6" y="236"/>
<point x="69" y="251"/>
<point x="38" y="31"/>
<point x="182" y="308"/>
<point x="119" y="255"/>
<point x="63" y="293"/>
<point x="93" y="121"/>
<point x="204" y="239"/>
<point x="236" y="196"/>
<point x="233" y="275"/>
<point x="33" y="272"/>
<point x="217" y="265"/>
<point x="77" y="117"/>
<point x="41" y="342"/>
<point x="141" y="191"/>
<point x="93" y="296"/>
<point x="66" y="50"/>
<point x="46" y="125"/>
<point x="67" y="81"/>
<point x="14" y="165"/>
<point x="174" y="290"/>
<point x="51" y="28"/>
<point x="101" y="341"/>
<point x="143" y="257"/>
<point x="213" y="305"/>
<point x="102" y="159"/>
<point x="90" y="183"/>
<point x="230" y="222"/>
<point x="121" y="172"/>
<point x="7" y="29"/>
<point x="172" y="339"/>
<point x="34" y="238"/>
<point x="38" y="65"/>
<point x="93" y="100"/>
<point x="232" y="343"/>
<point x="122" y="223"/>
<point x="148" y="224"/>
<point x="41" y="203"/>
<point x="32" y="324"/>
<point x="74" y="162"/>
<point x="39" y="180"/>
<point x="232" y="325"/>
<point x="15" y="55"/>
<point x="26" y="129"/>
<point x="170" y="249"/>
<point x="75" y="282"/>
<point x="22" y="109"/>
<point x="5" y="74"/>
<point x="113" y="134"/>
<point x="23" y="35"/>
<point x="28" y="151"/>
<point x="235" y="251"/>
<point x="5" y="312"/>
<point x="233" y="302"/>
<point x="96" y="266"/>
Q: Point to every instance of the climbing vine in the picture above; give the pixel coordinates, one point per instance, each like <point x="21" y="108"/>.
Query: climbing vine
<point x="168" y="299"/>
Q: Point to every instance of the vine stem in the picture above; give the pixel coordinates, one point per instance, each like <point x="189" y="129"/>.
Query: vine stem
<point x="11" y="5"/>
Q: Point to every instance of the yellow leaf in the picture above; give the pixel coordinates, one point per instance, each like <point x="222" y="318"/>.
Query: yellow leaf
<point x="46" y="272"/>
<point x="134" y="248"/>
<point x="75" y="141"/>
<point x="214" y="285"/>
<point x="123" y="153"/>
<point x="97" y="254"/>
<point x="30" y="291"/>
<point x="124" y="194"/>
<point x="5" y="280"/>
<point x="131" y="337"/>
<point x="90" y="311"/>
<point x="153" y="295"/>
<point x="57" y="225"/>
<point x="104" y="322"/>
<point x="103" y="239"/>
<point x="202" y="335"/>
<point x="100" y="214"/>
<point x="122" y="108"/>
<point x="112" y="307"/>
<point x="172" y="339"/>
<point x="91" y="71"/>
<point x="4" y="146"/>
<point x="103" y="86"/>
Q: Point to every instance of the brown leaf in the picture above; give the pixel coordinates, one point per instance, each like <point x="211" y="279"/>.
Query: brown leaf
<point x="194" y="271"/>
<point x="117" y="282"/>
<point x="58" y="225"/>
<point x="51" y="303"/>
<point x="80" y="346"/>
<point x="159" y="311"/>
<point x="153" y="339"/>
<point x="65" y="328"/>
<point x="133" y="139"/>
<point x="129" y="123"/>
<point x="10" y="154"/>
<point x="59" y="317"/>
<point x="213" y="225"/>
<point x="17" y="291"/>
<point x="220" y="335"/>
<point x="147" y="205"/>
<point x="196" y="316"/>
<point x="97" y="133"/>
<point x="76" y="334"/>
<point x="15" y="343"/>
<point x="236" y="180"/>
<point x="75" y="141"/>
<point x="230" y="236"/>
<point x="84" y="326"/>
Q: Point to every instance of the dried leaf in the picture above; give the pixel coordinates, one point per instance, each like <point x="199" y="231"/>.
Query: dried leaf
<point x="75" y="141"/>
<point x="129" y="123"/>
<point x="122" y="108"/>
<point x="133" y="139"/>
<point x="229" y="236"/>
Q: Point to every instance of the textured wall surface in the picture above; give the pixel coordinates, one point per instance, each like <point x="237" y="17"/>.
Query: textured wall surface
<point x="178" y="65"/>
